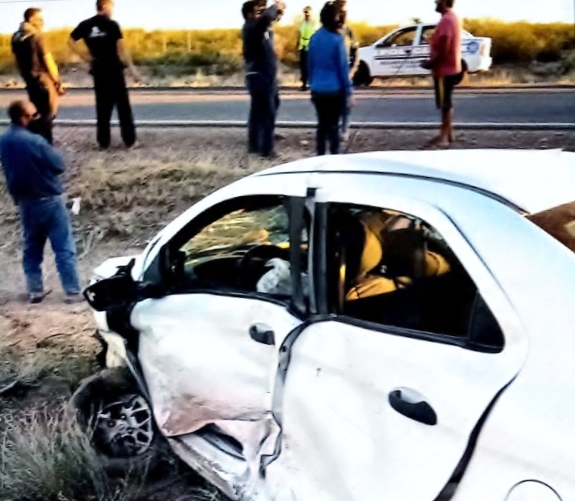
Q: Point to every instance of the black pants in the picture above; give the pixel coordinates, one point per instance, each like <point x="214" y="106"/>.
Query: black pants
<point x="111" y="91"/>
<point x="263" y="111"/>
<point x="303" y="66"/>
<point x="43" y="95"/>
<point x="329" y="108"/>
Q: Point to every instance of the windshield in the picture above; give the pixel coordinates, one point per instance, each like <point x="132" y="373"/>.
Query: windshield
<point x="559" y="223"/>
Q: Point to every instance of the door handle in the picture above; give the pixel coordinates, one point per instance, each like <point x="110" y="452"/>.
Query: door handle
<point x="420" y="411"/>
<point x="262" y="334"/>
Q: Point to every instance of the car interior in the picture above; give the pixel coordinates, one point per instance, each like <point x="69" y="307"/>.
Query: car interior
<point x="395" y="270"/>
<point x="236" y="251"/>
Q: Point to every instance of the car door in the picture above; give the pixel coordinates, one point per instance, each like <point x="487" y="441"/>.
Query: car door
<point x="388" y="408"/>
<point x="422" y="50"/>
<point x="208" y="349"/>
<point x="393" y="54"/>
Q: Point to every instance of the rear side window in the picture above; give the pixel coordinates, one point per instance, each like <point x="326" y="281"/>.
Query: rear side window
<point x="393" y="270"/>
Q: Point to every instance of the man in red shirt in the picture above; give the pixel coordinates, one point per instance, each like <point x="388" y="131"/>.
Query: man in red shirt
<point x="446" y="66"/>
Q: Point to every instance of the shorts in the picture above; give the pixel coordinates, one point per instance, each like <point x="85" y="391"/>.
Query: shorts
<point x="444" y="87"/>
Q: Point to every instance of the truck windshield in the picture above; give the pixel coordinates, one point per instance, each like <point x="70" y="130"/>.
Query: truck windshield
<point x="559" y="223"/>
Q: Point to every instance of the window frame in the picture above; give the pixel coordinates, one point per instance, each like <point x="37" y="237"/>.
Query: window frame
<point x="386" y="43"/>
<point x="160" y="269"/>
<point x="327" y="304"/>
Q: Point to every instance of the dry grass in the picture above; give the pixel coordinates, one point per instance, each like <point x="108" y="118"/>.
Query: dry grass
<point x="45" y="457"/>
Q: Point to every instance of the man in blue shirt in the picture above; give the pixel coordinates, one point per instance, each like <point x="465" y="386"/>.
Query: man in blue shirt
<point x="261" y="74"/>
<point x="33" y="168"/>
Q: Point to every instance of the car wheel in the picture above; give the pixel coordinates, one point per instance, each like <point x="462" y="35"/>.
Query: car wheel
<point x="123" y="427"/>
<point x="362" y="76"/>
<point x="110" y="408"/>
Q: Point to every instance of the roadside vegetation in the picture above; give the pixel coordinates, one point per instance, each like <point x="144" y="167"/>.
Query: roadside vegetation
<point x="217" y="53"/>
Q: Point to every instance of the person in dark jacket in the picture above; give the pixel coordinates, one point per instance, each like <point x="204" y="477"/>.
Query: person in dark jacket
<point x="330" y="84"/>
<point x="261" y="74"/>
<point x="109" y="58"/>
<point x="38" y="70"/>
<point x="33" y="168"/>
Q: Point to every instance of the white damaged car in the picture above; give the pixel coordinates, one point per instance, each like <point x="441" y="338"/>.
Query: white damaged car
<point x="397" y="325"/>
<point x="401" y="52"/>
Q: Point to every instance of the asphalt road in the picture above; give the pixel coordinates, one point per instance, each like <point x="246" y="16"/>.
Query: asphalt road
<point x="387" y="105"/>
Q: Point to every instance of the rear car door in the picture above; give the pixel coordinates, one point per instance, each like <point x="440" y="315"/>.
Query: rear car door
<point x="385" y="392"/>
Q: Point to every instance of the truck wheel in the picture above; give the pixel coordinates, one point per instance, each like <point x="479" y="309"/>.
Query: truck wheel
<point x="362" y="77"/>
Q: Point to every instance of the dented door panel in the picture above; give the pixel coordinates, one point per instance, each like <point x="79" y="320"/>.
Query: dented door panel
<point x="200" y="362"/>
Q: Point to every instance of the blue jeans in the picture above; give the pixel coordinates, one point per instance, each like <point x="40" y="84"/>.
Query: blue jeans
<point x="263" y="111"/>
<point x="44" y="219"/>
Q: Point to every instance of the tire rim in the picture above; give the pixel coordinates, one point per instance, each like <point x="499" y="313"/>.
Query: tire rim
<point x="125" y="428"/>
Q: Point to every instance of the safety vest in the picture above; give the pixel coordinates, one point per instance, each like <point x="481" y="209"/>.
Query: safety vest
<point x="306" y="30"/>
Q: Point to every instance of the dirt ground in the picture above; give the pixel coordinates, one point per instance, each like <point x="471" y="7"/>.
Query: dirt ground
<point x="127" y="197"/>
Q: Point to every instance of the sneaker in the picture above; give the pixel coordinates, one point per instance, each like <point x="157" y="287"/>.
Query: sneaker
<point x="74" y="299"/>
<point x="37" y="297"/>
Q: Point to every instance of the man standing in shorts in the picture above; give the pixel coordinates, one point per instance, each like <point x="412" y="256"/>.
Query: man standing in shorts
<point x="109" y="58"/>
<point x="445" y="64"/>
<point x="39" y="71"/>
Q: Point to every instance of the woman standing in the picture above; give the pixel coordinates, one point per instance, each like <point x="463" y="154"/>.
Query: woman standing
<point x="331" y="87"/>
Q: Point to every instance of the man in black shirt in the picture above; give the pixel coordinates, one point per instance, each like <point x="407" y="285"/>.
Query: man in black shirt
<point x="109" y="57"/>
<point x="39" y="71"/>
<point x="261" y="74"/>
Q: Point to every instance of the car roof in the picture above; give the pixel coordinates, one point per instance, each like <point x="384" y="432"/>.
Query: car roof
<point x="531" y="180"/>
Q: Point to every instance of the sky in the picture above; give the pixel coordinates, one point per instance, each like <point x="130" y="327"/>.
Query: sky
<point x="195" y="14"/>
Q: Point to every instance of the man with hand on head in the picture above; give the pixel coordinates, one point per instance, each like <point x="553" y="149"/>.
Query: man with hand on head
<point x="261" y="73"/>
<point x="33" y="168"/>
<point x="38" y="69"/>
<point x="109" y="58"/>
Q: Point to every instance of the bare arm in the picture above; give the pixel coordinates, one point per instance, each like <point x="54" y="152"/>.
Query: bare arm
<point x="75" y="48"/>
<point x="126" y="58"/>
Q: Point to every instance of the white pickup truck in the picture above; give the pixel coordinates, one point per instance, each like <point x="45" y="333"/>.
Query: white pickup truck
<point x="400" y="53"/>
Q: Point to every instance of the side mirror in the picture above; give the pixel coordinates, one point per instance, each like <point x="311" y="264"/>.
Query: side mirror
<point x="121" y="291"/>
<point x="114" y="292"/>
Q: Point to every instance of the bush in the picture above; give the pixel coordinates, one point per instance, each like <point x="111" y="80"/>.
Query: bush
<point x="220" y="51"/>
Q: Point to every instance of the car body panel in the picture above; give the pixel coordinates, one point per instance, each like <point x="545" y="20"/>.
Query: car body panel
<point x="385" y="59"/>
<point x="201" y="363"/>
<point x="515" y="176"/>
<point x="340" y="392"/>
<point x="336" y="422"/>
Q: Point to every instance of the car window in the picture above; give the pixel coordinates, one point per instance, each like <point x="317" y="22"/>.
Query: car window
<point x="426" y="35"/>
<point x="402" y="38"/>
<point x="394" y="270"/>
<point x="244" y="249"/>
<point x="559" y="222"/>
